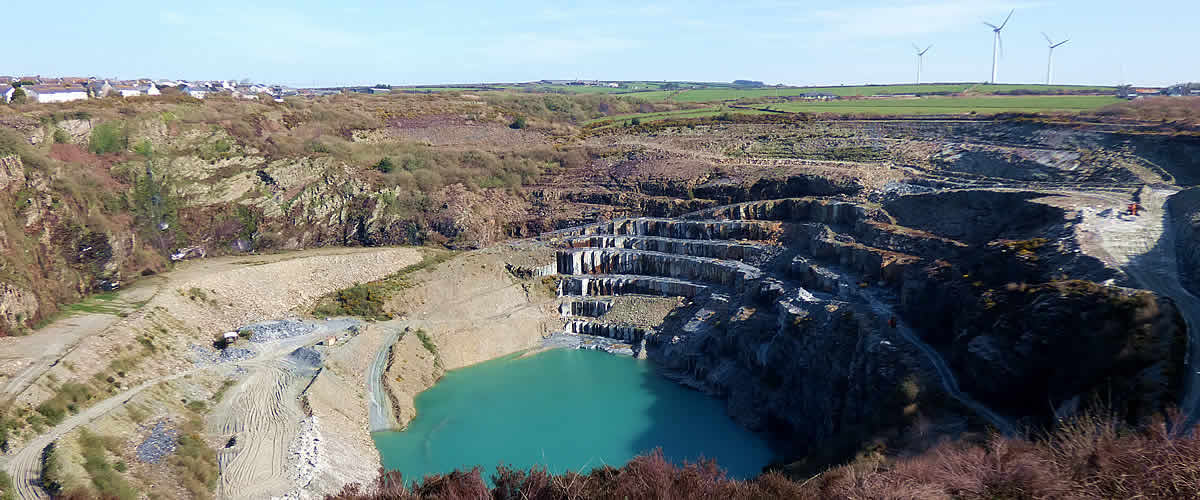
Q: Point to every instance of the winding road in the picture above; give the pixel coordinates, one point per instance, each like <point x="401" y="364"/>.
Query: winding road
<point x="1147" y="254"/>
<point x="379" y="406"/>
<point x="945" y="375"/>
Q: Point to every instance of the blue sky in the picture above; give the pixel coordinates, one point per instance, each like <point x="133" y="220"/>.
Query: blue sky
<point x="306" y="42"/>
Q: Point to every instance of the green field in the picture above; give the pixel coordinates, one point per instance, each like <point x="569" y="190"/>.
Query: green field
<point x="953" y="105"/>
<point x="730" y="94"/>
<point x="609" y="121"/>
<point x="438" y="89"/>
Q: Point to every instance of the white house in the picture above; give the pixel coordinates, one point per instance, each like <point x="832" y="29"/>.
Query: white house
<point x="197" y="91"/>
<point x="44" y="93"/>
<point x="126" y="90"/>
<point x="100" y="88"/>
<point x="149" y="89"/>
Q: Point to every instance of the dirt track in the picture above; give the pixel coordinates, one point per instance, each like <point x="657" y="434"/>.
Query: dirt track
<point x="262" y="412"/>
<point x="24" y="465"/>
<point x="1145" y="248"/>
<point x="262" y="287"/>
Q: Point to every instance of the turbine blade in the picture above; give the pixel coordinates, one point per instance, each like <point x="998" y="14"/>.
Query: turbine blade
<point x="1005" y="23"/>
<point x="1047" y="37"/>
<point x="1062" y="42"/>
<point x="915" y="47"/>
<point x="1001" y="40"/>
<point x="927" y="48"/>
<point x="994" y="27"/>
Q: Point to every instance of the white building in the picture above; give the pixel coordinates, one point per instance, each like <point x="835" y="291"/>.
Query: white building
<point x="44" y="93"/>
<point x="7" y="92"/>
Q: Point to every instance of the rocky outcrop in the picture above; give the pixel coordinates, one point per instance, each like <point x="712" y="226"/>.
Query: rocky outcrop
<point x="599" y="285"/>
<point x="620" y="261"/>
<point x="716" y="249"/>
<point x="589" y="308"/>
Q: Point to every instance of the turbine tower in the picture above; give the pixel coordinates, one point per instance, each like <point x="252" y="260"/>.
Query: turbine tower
<point x="997" y="45"/>
<point x="920" y="60"/>
<point x="1050" y="59"/>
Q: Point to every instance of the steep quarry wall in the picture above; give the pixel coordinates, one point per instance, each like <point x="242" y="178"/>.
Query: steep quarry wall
<point x="814" y="344"/>
<point x="1184" y="208"/>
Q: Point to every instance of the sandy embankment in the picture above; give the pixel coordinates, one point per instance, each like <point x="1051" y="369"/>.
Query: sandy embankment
<point x="470" y="308"/>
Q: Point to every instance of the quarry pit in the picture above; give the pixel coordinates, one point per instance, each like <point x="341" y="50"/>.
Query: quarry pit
<point x="838" y="286"/>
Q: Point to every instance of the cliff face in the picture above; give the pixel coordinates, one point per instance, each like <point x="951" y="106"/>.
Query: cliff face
<point x="55" y="246"/>
<point x="828" y="322"/>
<point x="1184" y="208"/>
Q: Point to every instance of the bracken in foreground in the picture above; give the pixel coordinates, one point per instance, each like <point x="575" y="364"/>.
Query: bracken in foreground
<point x="1088" y="458"/>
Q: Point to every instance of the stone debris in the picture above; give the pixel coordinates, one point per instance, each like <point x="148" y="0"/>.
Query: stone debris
<point x="306" y="356"/>
<point x="229" y="354"/>
<point x="159" y="444"/>
<point x="304" y="457"/>
<point x="268" y="331"/>
<point x="205" y="355"/>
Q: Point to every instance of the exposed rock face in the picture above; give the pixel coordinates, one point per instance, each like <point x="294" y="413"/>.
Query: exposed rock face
<point x="54" y="248"/>
<point x="1184" y="210"/>
<point x="796" y="308"/>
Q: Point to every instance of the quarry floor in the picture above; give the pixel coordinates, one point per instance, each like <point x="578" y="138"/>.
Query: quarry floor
<point x="291" y="429"/>
<point x="240" y="290"/>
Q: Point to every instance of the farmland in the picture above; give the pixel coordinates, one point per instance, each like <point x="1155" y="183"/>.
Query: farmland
<point x="934" y="105"/>
<point x="953" y="105"/>
<point x="731" y="94"/>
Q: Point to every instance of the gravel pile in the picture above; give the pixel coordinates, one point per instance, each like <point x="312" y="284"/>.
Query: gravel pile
<point x="306" y="356"/>
<point x="159" y="444"/>
<point x="203" y="356"/>
<point x="206" y="356"/>
<point x="229" y="354"/>
<point x="268" y="331"/>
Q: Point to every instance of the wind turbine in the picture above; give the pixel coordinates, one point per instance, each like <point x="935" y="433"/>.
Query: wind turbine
<point x="1050" y="59"/>
<point x="920" y="60"/>
<point x="997" y="45"/>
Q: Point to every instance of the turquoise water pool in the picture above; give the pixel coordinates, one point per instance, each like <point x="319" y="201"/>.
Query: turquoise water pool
<point x="565" y="409"/>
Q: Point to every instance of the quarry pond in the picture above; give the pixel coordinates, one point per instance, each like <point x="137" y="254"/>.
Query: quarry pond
<point x="567" y="410"/>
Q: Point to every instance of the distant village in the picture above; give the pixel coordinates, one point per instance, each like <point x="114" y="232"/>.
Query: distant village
<point x="41" y="89"/>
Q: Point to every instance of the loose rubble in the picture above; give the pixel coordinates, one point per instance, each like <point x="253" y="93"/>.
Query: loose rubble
<point x="304" y="457"/>
<point x="205" y="356"/>
<point x="268" y="331"/>
<point x="159" y="444"/>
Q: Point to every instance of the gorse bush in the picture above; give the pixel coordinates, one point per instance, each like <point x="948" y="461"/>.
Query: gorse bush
<point x="109" y="137"/>
<point x="364" y="300"/>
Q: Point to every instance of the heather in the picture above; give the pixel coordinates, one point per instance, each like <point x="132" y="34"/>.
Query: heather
<point x="1086" y="458"/>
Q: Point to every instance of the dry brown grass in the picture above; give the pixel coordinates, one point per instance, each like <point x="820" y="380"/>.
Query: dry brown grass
<point x="1181" y="110"/>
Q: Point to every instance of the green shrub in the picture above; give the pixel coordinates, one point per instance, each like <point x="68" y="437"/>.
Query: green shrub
<point x="385" y="165"/>
<point x="518" y="123"/>
<point x="69" y="399"/>
<point x="359" y="300"/>
<point x="6" y="485"/>
<point x="106" y="478"/>
<point x="197" y="460"/>
<point x="109" y="137"/>
<point x="144" y="148"/>
<point x="61" y="136"/>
